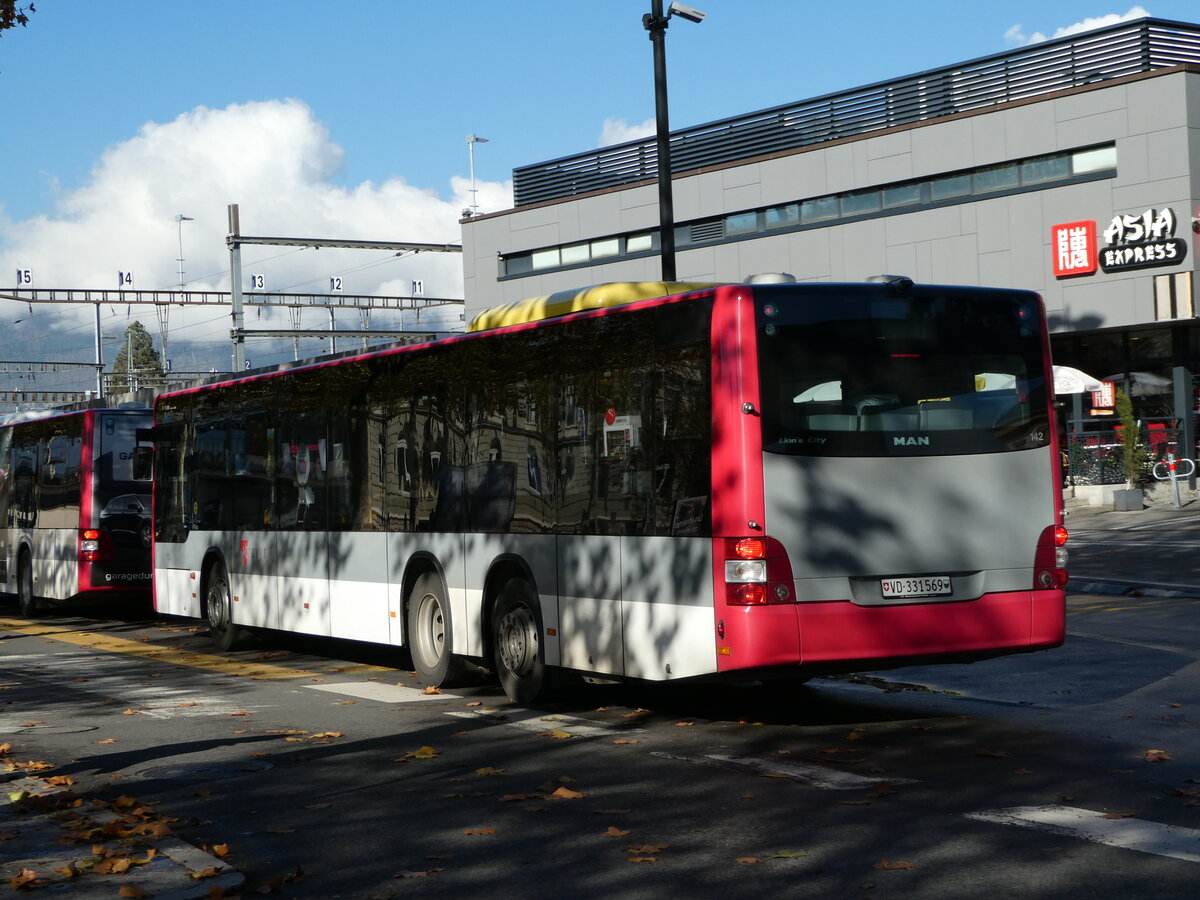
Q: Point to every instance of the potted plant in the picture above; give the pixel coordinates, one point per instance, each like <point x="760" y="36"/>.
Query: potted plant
<point x="1133" y="456"/>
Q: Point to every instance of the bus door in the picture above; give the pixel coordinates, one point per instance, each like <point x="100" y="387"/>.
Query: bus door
<point x="301" y="551"/>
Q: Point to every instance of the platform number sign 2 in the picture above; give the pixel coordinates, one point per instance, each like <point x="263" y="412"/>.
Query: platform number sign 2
<point x="124" y="281"/>
<point x="335" y="284"/>
<point x="24" y="277"/>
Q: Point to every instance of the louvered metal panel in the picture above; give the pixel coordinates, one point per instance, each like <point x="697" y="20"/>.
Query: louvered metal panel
<point x="1094" y="56"/>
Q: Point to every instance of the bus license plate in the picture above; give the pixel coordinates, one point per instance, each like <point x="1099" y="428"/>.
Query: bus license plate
<point x="923" y="586"/>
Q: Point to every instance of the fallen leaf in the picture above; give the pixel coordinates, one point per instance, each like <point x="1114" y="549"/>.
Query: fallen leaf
<point x="565" y="793"/>
<point x="747" y="859"/>
<point x="107" y="741"/>
<point x="488" y="770"/>
<point x="614" y="831"/>
<point x="220" y="850"/>
<point x="128" y="890"/>
<point x="431" y="690"/>
<point x="423" y="753"/>
<point x="478" y="831"/>
<point x="240" y="712"/>
<point x="684" y="724"/>
<point x="1155" y="756"/>
<point x="647" y="848"/>
<point x="789" y="854"/>
<point x="558" y="733"/>
<point x="1118" y="815"/>
<point x="643" y="859"/>
<point x="898" y="864"/>
<point x="624" y="741"/>
<point x="131" y="712"/>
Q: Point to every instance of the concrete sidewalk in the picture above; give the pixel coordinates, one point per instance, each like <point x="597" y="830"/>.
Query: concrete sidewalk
<point x="73" y="845"/>
<point x="1123" y="575"/>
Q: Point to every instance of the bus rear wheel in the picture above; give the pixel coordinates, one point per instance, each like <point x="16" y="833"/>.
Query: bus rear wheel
<point x="430" y="636"/>
<point x="218" y="605"/>
<point x="26" y="599"/>
<point x="519" y="656"/>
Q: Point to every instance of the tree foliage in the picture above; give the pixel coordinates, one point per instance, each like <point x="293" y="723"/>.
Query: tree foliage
<point x="1133" y="452"/>
<point x="12" y="15"/>
<point x="146" y="361"/>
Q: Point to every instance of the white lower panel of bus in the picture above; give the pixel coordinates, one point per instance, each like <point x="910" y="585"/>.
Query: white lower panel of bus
<point x="54" y="560"/>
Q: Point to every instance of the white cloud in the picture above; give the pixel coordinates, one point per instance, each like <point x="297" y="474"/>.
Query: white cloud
<point x="275" y="161"/>
<point x="618" y="131"/>
<point x="1015" y="36"/>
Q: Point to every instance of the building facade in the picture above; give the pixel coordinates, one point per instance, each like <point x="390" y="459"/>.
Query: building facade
<point x="1069" y="167"/>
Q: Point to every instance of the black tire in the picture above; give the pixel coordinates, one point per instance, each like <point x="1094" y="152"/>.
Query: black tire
<point x="27" y="600"/>
<point x="517" y="649"/>
<point x="430" y="636"/>
<point x="218" y="608"/>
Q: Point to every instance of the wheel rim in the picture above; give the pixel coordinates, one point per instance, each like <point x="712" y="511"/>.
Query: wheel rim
<point x="218" y="608"/>
<point x="430" y="639"/>
<point x="516" y="638"/>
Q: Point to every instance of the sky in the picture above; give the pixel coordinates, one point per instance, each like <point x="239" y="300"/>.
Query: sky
<point x="350" y="120"/>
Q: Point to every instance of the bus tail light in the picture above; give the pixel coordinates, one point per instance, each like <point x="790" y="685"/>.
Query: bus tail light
<point x="1050" y="559"/>
<point x="757" y="572"/>
<point x="95" y="545"/>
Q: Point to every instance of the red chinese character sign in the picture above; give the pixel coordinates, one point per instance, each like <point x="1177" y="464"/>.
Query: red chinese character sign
<point x="1074" y="248"/>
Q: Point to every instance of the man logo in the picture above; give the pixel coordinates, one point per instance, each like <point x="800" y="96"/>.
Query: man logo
<point x="920" y="441"/>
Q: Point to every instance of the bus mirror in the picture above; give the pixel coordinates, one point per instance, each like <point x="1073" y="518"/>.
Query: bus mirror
<point x="142" y="459"/>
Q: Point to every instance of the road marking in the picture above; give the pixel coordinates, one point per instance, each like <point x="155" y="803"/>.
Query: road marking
<point x="156" y="652"/>
<point x="572" y="725"/>
<point x="384" y="693"/>
<point x="1088" y="825"/>
<point x="816" y="776"/>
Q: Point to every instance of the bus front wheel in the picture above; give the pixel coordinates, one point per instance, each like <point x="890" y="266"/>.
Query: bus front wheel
<point x="218" y="605"/>
<point x="26" y="599"/>
<point x="430" y="637"/>
<point x="517" y="649"/>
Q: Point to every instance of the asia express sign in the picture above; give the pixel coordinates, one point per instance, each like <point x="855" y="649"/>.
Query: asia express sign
<point x="1130" y="242"/>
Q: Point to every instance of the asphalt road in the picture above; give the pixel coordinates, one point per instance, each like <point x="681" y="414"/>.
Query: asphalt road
<point x="316" y="769"/>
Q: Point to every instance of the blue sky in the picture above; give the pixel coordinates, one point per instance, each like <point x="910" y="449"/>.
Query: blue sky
<point x="350" y="119"/>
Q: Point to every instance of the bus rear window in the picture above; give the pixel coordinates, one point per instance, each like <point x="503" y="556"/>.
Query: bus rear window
<point x="861" y="371"/>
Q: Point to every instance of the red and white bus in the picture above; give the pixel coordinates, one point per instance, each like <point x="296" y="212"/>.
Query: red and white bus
<point x="639" y="481"/>
<point x="75" y="513"/>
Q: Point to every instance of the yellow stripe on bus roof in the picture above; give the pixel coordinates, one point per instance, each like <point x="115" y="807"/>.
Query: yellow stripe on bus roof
<point x="596" y="296"/>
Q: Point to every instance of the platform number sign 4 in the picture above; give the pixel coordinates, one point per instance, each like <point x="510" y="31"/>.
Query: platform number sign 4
<point x="335" y="284"/>
<point x="24" y="277"/>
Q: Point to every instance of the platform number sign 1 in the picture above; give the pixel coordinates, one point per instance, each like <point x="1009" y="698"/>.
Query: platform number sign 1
<point x="258" y="282"/>
<point x="125" y="281"/>
<point x="335" y="284"/>
<point x="24" y="277"/>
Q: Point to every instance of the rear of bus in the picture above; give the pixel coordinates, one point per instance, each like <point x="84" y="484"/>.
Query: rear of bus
<point x="114" y="536"/>
<point x="911" y="508"/>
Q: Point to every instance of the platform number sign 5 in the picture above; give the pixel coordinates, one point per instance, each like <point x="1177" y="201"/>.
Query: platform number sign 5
<point x="124" y="281"/>
<point x="335" y="284"/>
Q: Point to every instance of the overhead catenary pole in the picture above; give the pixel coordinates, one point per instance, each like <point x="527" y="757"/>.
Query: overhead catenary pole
<point x="235" y="288"/>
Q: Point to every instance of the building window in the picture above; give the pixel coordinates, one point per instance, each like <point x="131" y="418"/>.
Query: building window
<point x="1032" y="173"/>
<point x="639" y="243"/>
<point x="1173" y="296"/>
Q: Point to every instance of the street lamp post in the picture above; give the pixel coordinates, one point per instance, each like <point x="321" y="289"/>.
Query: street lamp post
<point x="472" y="140"/>
<point x="656" y="23"/>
